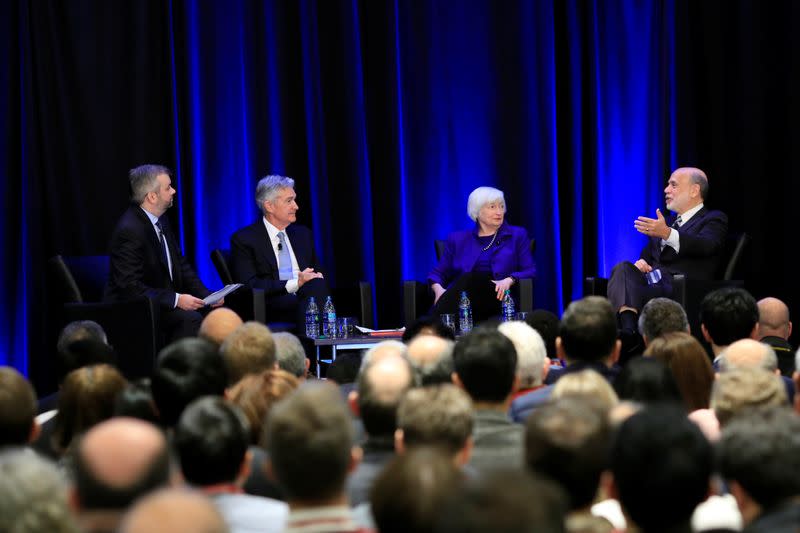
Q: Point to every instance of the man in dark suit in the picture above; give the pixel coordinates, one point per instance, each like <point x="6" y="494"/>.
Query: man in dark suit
<point x="691" y="244"/>
<point x="146" y="259"/>
<point x="278" y="256"/>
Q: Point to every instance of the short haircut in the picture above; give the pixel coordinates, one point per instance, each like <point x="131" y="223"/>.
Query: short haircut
<point x="17" y="408"/>
<point x="546" y="324"/>
<point x="662" y="315"/>
<point x="377" y="404"/>
<point x="505" y="500"/>
<point x="310" y="440"/>
<point x="587" y="384"/>
<point x="250" y="349"/>
<point x="728" y="314"/>
<point x="588" y="329"/>
<point x="186" y="370"/>
<point x="144" y="179"/>
<point x="760" y="450"/>
<point x="688" y="361"/>
<point x="742" y="388"/>
<point x="256" y="394"/>
<point x="83" y="352"/>
<point x="430" y="325"/>
<point x="482" y="196"/>
<point x="531" y="352"/>
<point x="344" y="369"/>
<point x="439" y="415"/>
<point x="486" y="363"/>
<point x="768" y="359"/>
<point x="381" y="349"/>
<point x="211" y="440"/>
<point x="136" y="401"/>
<point x="269" y="187"/>
<point x="647" y="380"/>
<point x="290" y="353"/>
<point x="697" y="176"/>
<point x="568" y="441"/>
<point x="33" y="495"/>
<point x="79" y="330"/>
<point x="410" y="491"/>
<point x="659" y="455"/>
<point x="438" y="370"/>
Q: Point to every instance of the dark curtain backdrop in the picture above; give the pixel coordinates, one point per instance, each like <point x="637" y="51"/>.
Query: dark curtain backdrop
<point x="387" y="114"/>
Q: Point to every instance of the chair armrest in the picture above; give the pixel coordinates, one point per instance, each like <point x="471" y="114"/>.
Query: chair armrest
<point x="526" y="294"/>
<point x="594" y="286"/>
<point x="365" y="304"/>
<point x="248" y="303"/>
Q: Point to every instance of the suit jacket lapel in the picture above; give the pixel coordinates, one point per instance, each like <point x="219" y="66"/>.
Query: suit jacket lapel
<point x="266" y="248"/>
<point x="298" y="248"/>
<point x="696" y="218"/>
<point x="151" y="234"/>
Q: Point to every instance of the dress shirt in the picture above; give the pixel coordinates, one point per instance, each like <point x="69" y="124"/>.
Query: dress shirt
<point x="153" y="219"/>
<point x="272" y="231"/>
<point x="674" y="238"/>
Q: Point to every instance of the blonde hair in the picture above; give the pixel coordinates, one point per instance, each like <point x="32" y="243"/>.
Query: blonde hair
<point x="586" y="383"/>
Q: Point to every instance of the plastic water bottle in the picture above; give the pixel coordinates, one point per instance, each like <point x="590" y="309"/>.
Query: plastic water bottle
<point x="509" y="313"/>
<point x="329" y="319"/>
<point x="464" y="314"/>
<point x="312" y="319"/>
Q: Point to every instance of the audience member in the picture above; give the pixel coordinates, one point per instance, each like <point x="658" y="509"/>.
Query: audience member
<point x="687" y="360"/>
<point x="747" y="353"/>
<point x="33" y="495"/>
<point x="741" y="388"/>
<point x="759" y="457"/>
<point x="428" y="325"/>
<point x="249" y="349"/>
<point x="136" y="401"/>
<point x="660" y="316"/>
<point x="727" y="315"/>
<point x="291" y="355"/>
<point x="211" y="441"/>
<point x="532" y="360"/>
<point x="344" y="371"/>
<point x="775" y="328"/>
<point x="18" y="426"/>
<point x="546" y="325"/>
<point x="432" y="359"/>
<point x="174" y="511"/>
<point x="586" y="384"/>
<point x="486" y="367"/>
<point x="310" y="442"/>
<point x="218" y="324"/>
<point x="115" y="463"/>
<point x="647" y="381"/>
<point x="186" y="370"/>
<point x="661" y="465"/>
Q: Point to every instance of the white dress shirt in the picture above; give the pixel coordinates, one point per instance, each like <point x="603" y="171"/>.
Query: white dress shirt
<point x="272" y="231"/>
<point x="674" y="237"/>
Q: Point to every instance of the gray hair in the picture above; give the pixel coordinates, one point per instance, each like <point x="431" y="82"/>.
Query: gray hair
<point x="530" y="351"/>
<point x="439" y="368"/>
<point x="797" y="360"/>
<point x="144" y="179"/>
<point x="33" y="494"/>
<point x="698" y="176"/>
<point x="290" y="353"/>
<point x="482" y="196"/>
<point x="269" y="186"/>
<point x="388" y="346"/>
<point x="662" y="315"/>
<point x="768" y="361"/>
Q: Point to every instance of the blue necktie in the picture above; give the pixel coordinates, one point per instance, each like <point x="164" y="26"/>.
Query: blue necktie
<point x="284" y="258"/>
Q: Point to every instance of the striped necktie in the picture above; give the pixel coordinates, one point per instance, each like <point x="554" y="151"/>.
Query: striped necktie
<point x="284" y="258"/>
<point x="678" y="222"/>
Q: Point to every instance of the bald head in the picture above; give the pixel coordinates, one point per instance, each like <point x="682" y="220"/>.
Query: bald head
<point x="773" y="318"/>
<point x="432" y="358"/>
<point x="118" y="461"/>
<point x="174" y="511"/>
<point x="381" y="386"/>
<point x="383" y="349"/>
<point x="747" y="353"/>
<point x="218" y="324"/>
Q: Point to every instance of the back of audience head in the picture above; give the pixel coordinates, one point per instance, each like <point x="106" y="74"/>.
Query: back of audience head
<point x="381" y="386"/>
<point x="532" y="361"/>
<point x="80" y="344"/>
<point x="17" y="409"/>
<point x="33" y="495"/>
<point x="136" y="401"/>
<point x="432" y="359"/>
<point x="290" y="354"/>
<point x="410" y="491"/>
<point x="687" y="360"/>
<point x="660" y="316"/>
<point x="647" y="380"/>
<point x="211" y="440"/>
<point x="485" y="363"/>
<point x="546" y="325"/>
<point x="249" y="349"/>
<point x="383" y="349"/>
<point x="87" y="398"/>
<point x="727" y="315"/>
<point x="748" y="353"/>
<point x="588" y="331"/>
<point x="80" y="330"/>
<point x="759" y="456"/>
<point x="660" y="456"/>
<point x="186" y="370"/>
<point x="256" y="394"/>
<point x="118" y="461"/>
<point x="568" y="441"/>
<point x="218" y="325"/>
<point x="174" y="511"/>
<point x="586" y="384"/>
<point x="742" y="388"/>
<point x="773" y="318"/>
<point x="344" y="369"/>
<point x="437" y="416"/>
<point x="428" y="325"/>
<point x="310" y="442"/>
<point x="505" y="501"/>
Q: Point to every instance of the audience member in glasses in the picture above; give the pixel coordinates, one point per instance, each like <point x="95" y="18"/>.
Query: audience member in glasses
<point x="484" y="261"/>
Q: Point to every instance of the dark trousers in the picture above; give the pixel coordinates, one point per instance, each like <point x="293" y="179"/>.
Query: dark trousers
<point x="481" y="293"/>
<point x="178" y="324"/>
<point x="628" y="287"/>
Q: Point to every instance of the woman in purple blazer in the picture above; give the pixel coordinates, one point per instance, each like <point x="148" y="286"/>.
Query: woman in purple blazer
<point x="484" y="261"/>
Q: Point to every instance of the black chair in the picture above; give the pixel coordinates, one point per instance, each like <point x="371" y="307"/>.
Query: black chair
<point x="131" y="326"/>
<point x="418" y="296"/>
<point x="249" y="303"/>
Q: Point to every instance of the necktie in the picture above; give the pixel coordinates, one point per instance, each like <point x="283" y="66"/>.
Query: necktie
<point x="677" y="223"/>
<point x="284" y="258"/>
<point x="164" y="248"/>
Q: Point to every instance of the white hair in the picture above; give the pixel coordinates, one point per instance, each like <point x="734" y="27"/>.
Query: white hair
<point x="482" y="196"/>
<point x="269" y="186"/>
<point x="797" y="360"/>
<point x="386" y="348"/>
<point x="530" y="351"/>
<point x="290" y="353"/>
